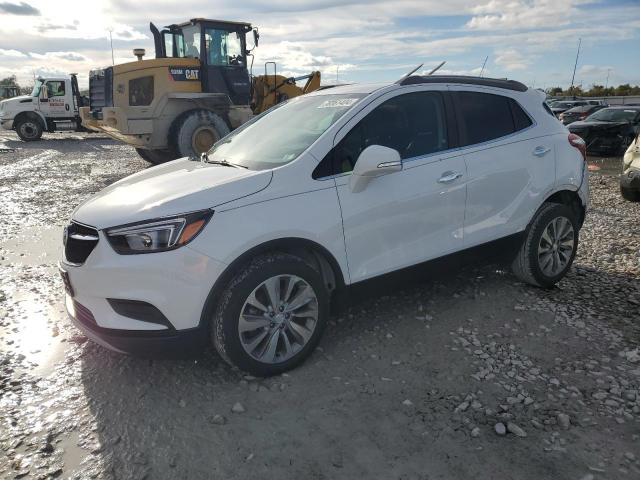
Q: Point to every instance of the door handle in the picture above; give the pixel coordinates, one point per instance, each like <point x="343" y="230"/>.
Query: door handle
<point x="541" y="151"/>
<point x="448" y="177"/>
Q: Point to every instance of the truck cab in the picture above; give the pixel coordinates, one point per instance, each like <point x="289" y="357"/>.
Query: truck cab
<point x="52" y="106"/>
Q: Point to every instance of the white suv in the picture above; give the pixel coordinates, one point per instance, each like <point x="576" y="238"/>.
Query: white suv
<point x="245" y="246"/>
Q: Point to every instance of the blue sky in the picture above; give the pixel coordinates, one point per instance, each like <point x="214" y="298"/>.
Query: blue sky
<point x="533" y="41"/>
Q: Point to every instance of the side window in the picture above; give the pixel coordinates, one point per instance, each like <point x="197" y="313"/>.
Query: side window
<point x="520" y="118"/>
<point x="484" y="117"/>
<point x="414" y="124"/>
<point x="141" y="91"/>
<point x="55" y="89"/>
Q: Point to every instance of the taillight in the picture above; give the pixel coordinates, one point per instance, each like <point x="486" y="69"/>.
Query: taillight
<point x="578" y="142"/>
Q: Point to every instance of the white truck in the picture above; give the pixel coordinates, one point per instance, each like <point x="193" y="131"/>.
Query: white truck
<point x="52" y="106"/>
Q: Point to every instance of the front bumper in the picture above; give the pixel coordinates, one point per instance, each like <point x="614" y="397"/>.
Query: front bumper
<point x="630" y="179"/>
<point x="176" y="283"/>
<point x="141" y="343"/>
<point x="6" y="123"/>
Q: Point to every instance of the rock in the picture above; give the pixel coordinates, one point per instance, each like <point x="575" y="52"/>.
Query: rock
<point x="599" y="395"/>
<point x="182" y="403"/>
<point x="462" y="407"/>
<point x="630" y="456"/>
<point x="407" y="403"/>
<point x="218" y="419"/>
<point x="564" y="421"/>
<point x="475" y="432"/>
<point x="516" y="430"/>
<point x="238" y="408"/>
<point x="500" y="429"/>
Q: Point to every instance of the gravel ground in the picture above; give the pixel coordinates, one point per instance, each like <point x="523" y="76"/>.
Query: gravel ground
<point x="455" y="372"/>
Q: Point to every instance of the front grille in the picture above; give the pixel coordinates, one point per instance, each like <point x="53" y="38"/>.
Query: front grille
<point x="79" y="242"/>
<point x="100" y="90"/>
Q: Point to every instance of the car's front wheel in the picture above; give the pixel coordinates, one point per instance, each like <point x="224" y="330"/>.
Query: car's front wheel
<point x="549" y="246"/>
<point x="271" y="315"/>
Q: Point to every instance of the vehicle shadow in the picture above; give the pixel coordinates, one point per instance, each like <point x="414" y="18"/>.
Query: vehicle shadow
<point x="156" y="418"/>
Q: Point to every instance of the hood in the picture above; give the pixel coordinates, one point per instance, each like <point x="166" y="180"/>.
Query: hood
<point x="174" y="188"/>
<point x="9" y="102"/>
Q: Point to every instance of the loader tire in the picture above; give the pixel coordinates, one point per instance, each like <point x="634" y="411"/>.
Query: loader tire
<point x="196" y="131"/>
<point x="156" y="157"/>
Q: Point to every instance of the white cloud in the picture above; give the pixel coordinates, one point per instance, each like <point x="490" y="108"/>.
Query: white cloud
<point x="70" y="56"/>
<point x="510" y="59"/>
<point x="11" y="53"/>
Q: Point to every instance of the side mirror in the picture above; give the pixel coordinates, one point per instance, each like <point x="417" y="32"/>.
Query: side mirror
<point x="374" y="161"/>
<point x="256" y="37"/>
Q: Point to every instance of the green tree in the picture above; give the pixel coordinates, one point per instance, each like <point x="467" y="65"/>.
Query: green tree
<point x="9" y="81"/>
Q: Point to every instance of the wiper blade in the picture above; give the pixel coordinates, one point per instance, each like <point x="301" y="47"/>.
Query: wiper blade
<point x="204" y="157"/>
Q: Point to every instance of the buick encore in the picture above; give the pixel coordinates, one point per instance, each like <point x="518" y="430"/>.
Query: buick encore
<point x="244" y="247"/>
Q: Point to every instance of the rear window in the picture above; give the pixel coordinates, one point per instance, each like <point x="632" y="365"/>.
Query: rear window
<point x="485" y="116"/>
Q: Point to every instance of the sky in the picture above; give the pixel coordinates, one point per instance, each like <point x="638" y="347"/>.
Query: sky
<point x="534" y="41"/>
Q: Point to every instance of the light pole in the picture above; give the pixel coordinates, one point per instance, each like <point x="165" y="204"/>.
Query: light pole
<point x="113" y="62"/>
<point x="576" y="64"/>
<point x="606" y="85"/>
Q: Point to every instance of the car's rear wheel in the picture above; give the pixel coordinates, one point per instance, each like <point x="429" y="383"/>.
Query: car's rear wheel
<point x="29" y="129"/>
<point x="271" y="315"/>
<point x="630" y="194"/>
<point x="549" y="246"/>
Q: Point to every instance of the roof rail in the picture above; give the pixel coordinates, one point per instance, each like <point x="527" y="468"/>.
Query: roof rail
<point x="487" y="82"/>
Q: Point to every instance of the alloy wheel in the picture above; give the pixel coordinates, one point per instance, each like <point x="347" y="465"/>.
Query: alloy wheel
<point x="556" y="246"/>
<point x="278" y="319"/>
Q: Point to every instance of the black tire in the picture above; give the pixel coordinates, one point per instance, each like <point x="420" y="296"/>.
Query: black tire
<point x="156" y="157"/>
<point x="225" y="321"/>
<point x="29" y="128"/>
<point x="196" y="132"/>
<point x="630" y="194"/>
<point x="527" y="264"/>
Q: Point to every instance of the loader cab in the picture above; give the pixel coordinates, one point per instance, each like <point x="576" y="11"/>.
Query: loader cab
<point x="221" y="48"/>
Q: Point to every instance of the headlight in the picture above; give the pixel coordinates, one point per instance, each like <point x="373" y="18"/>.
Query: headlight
<point x="157" y="235"/>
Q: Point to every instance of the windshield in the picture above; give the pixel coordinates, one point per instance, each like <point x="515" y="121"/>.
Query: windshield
<point x="36" y="88"/>
<point x="281" y="134"/>
<point x="614" y="115"/>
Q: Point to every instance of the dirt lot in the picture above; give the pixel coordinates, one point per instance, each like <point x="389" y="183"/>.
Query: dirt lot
<point x="417" y="380"/>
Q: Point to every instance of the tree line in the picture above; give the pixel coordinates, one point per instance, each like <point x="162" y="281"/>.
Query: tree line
<point x="596" y="91"/>
<point x="12" y="81"/>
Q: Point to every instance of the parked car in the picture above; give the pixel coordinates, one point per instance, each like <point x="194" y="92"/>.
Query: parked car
<point x="245" y="247"/>
<point x="609" y="131"/>
<point x="579" y="113"/>
<point x="630" y="178"/>
<point x="559" y="107"/>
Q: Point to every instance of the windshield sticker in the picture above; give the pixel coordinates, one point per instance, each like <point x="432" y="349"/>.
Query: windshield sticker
<point x="340" y="102"/>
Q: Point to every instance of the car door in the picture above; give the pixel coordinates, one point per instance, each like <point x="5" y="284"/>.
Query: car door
<point x="408" y="216"/>
<point x="54" y="101"/>
<point x="509" y="165"/>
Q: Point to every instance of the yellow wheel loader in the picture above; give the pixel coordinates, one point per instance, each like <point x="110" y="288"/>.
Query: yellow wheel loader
<point x="196" y="90"/>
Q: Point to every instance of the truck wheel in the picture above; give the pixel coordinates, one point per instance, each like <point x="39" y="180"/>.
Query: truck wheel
<point x="629" y="194"/>
<point x="29" y="129"/>
<point x="197" y="131"/>
<point x="156" y="157"/>
<point x="549" y="246"/>
<point x="271" y="315"/>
